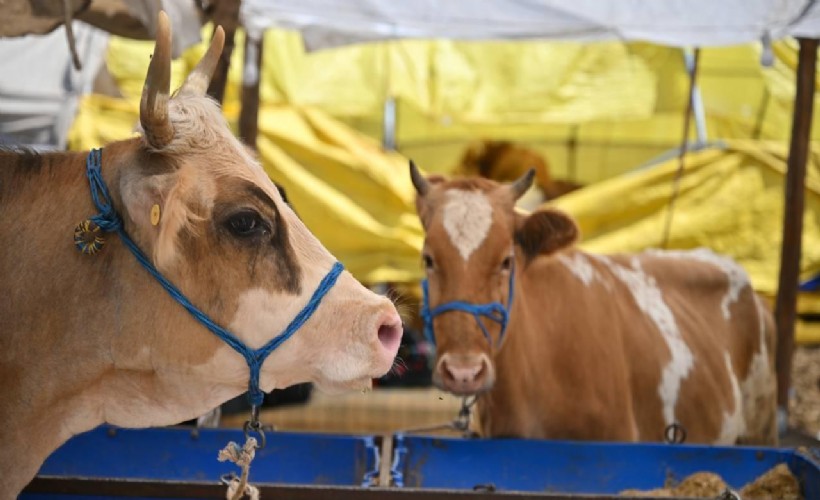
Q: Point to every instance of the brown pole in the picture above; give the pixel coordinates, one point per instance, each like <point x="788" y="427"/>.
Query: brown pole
<point x="251" y="74"/>
<point x="786" y="305"/>
<point x="226" y="14"/>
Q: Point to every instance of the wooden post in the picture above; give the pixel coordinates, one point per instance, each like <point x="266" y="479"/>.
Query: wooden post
<point x="226" y="14"/>
<point x="251" y="74"/>
<point x="786" y="305"/>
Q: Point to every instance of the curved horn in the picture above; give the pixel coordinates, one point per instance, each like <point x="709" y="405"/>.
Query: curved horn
<point x="155" y="93"/>
<point x="199" y="79"/>
<point x="522" y="184"/>
<point x="421" y="184"/>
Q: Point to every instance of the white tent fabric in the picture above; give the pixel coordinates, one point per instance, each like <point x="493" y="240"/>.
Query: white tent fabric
<point x="39" y="87"/>
<point x="327" y="23"/>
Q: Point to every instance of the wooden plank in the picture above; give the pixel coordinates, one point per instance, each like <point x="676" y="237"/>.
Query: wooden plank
<point x="786" y="304"/>
<point x="386" y="461"/>
<point x="251" y="74"/>
<point x="226" y="14"/>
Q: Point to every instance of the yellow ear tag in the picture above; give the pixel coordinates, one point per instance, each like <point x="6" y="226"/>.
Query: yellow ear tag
<point x="155" y="215"/>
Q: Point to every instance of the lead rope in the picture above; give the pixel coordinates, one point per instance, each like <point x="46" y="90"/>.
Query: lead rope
<point x="239" y="487"/>
<point x="242" y="457"/>
<point x="461" y="423"/>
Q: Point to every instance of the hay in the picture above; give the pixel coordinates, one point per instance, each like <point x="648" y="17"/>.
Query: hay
<point x="777" y="482"/>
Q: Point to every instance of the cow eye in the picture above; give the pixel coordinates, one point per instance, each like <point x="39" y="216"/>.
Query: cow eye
<point x="507" y="263"/>
<point x="246" y="223"/>
<point x="428" y="262"/>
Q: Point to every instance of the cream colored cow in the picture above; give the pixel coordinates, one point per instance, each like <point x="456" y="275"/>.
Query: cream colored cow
<point x="88" y="339"/>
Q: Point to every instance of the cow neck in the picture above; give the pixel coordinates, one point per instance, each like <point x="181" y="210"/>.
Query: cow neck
<point x="108" y="220"/>
<point x="526" y="363"/>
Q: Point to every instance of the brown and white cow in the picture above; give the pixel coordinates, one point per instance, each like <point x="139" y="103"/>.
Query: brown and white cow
<point x="597" y="347"/>
<point x="92" y="339"/>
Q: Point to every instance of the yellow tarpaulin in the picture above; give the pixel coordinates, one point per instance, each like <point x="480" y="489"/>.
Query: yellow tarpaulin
<point x="319" y="112"/>
<point x="730" y="200"/>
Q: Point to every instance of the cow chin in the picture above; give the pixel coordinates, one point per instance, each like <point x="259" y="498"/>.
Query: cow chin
<point x="463" y="389"/>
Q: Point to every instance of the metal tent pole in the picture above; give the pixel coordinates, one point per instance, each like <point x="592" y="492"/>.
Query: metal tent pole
<point x="786" y="305"/>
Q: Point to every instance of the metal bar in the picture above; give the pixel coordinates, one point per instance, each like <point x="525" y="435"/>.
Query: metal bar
<point x="691" y="61"/>
<point x="389" y="123"/>
<point x="786" y="305"/>
<point x="251" y="74"/>
<point x="572" y="153"/>
<point x="168" y="489"/>
<point x="226" y="14"/>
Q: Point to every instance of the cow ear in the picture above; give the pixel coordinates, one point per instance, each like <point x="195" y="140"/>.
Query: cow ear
<point x="545" y="232"/>
<point x="154" y="204"/>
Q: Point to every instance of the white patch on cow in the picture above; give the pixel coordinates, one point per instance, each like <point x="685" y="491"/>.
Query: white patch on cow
<point x="734" y="425"/>
<point x="759" y="382"/>
<point x="257" y="318"/>
<point x="649" y="299"/>
<point x="468" y="216"/>
<point x="580" y="266"/>
<point x="736" y="275"/>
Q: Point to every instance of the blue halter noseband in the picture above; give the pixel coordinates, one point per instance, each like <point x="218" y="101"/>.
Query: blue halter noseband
<point x="109" y="221"/>
<point x="494" y="311"/>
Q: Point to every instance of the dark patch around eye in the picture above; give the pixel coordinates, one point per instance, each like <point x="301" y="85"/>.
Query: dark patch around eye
<point x="265" y="254"/>
<point x="287" y="263"/>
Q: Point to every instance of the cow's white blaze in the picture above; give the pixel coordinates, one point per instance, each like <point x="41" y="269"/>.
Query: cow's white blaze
<point x="734" y="425"/>
<point x="467" y="218"/>
<point x="737" y="277"/>
<point x="648" y="297"/>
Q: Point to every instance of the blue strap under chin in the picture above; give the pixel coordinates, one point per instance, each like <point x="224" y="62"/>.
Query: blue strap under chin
<point x="109" y="221"/>
<point x="494" y="311"/>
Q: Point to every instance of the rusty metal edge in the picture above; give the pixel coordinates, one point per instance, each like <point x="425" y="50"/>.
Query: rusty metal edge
<point x="178" y="489"/>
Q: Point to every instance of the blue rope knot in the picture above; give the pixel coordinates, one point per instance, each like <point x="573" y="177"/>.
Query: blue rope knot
<point x="109" y="221"/>
<point x="494" y="311"/>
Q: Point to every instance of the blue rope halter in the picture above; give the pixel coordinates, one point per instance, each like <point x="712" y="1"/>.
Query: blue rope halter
<point x="494" y="311"/>
<point x="109" y="221"/>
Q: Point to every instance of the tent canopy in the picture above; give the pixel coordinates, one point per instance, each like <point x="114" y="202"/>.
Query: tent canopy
<point x="326" y="23"/>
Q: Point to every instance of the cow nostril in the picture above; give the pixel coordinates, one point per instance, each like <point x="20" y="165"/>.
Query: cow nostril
<point x="464" y="374"/>
<point x="390" y="336"/>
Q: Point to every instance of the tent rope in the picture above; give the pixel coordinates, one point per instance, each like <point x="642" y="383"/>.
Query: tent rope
<point x="684" y="149"/>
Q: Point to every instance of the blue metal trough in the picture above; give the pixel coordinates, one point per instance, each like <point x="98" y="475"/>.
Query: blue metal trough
<point x="185" y="455"/>
<point x="179" y="463"/>
<point x="580" y="468"/>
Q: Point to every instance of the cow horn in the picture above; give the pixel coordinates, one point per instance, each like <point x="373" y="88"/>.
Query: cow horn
<point x="522" y="184"/>
<point x="421" y="184"/>
<point x="199" y="79"/>
<point x="155" y="94"/>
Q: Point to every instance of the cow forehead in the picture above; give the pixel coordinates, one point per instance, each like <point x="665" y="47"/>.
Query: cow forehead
<point x="467" y="217"/>
<point x="209" y="135"/>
